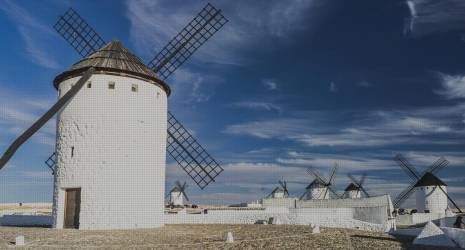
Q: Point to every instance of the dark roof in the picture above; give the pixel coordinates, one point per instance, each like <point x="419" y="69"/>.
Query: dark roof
<point x="429" y="179"/>
<point x="175" y="189"/>
<point x="317" y="183"/>
<point x="351" y="187"/>
<point x="277" y="189"/>
<point x="113" y="58"/>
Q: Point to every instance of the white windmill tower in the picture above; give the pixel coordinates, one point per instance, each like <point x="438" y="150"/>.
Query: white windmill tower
<point x="355" y="189"/>
<point x="177" y="194"/>
<point x="280" y="191"/>
<point x="320" y="187"/>
<point x="431" y="192"/>
<point x="112" y="129"/>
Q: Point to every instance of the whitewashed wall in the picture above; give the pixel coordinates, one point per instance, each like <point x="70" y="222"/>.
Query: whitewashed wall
<point x="372" y="214"/>
<point x="431" y="198"/>
<point x="118" y="161"/>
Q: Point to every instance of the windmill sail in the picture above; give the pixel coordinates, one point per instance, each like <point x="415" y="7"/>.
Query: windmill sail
<point x="45" y="118"/>
<point x="182" y="146"/>
<point x="190" y="155"/>
<point x="187" y="41"/>
<point x="78" y="33"/>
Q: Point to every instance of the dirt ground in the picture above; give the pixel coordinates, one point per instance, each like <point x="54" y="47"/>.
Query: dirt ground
<point x="203" y="237"/>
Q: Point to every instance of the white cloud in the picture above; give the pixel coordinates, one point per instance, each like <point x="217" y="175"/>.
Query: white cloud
<point x="270" y="84"/>
<point x="36" y="36"/>
<point x="361" y="129"/>
<point x="16" y="116"/>
<point x="258" y="106"/>
<point x="364" y="84"/>
<point x="250" y="23"/>
<point x="453" y="86"/>
<point x="430" y="16"/>
<point x="332" y="87"/>
<point x="188" y="86"/>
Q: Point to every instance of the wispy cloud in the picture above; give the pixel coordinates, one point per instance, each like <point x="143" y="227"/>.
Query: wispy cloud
<point x="252" y="22"/>
<point x="267" y="106"/>
<point x="332" y="87"/>
<point x="430" y="16"/>
<point x="361" y="129"/>
<point x="36" y="36"/>
<point x="364" y="84"/>
<point x="16" y="117"/>
<point x="453" y="86"/>
<point x="192" y="87"/>
<point x="270" y="84"/>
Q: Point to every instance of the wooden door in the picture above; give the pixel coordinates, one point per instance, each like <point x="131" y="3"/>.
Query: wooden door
<point x="72" y="207"/>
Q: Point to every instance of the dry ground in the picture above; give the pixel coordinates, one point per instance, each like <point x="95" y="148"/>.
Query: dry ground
<point x="203" y="237"/>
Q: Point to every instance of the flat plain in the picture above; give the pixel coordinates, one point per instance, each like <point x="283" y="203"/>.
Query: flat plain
<point x="204" y="237"/>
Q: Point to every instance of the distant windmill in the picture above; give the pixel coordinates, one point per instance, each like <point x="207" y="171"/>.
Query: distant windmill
<point x="431" y="192"/>
<point x="320" y="187"/>
<point x="177" y="194"/>
<point x="355" y="189"/>
<point x="280" y="191"/>
<point x="113" y="134"/>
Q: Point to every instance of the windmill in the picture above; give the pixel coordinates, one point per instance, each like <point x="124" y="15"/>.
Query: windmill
<point x="113" y="134"/>
<point x="177" y="194"/>
<point x="355" y="189"/>
<point x="280" y="191"/>
<point x="319" y="187"/>
<point x="431" y="192"/>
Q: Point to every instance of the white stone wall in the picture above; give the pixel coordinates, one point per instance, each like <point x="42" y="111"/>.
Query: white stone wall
<point x="374" y="214"/>
<point x="111" y="143"/>
<point x="431" y="198"/>
<point x="338" y="218"/>
<point x="318" y="193"/>
<point x="353" y="194"/>
<point x="176" y="199"/>
<point x="278" y="194"/>
<point x="418" y="218"/>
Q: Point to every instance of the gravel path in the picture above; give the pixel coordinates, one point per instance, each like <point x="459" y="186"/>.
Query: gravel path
<point x="203" y="237"/>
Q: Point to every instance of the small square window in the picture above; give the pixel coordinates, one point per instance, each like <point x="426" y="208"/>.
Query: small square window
<point x="111" y="85"/>
<point x="89" y="85"/>
<point x="134" y="88"/>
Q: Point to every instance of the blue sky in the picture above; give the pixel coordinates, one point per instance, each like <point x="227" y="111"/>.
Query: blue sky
<point x="284" y="86"/>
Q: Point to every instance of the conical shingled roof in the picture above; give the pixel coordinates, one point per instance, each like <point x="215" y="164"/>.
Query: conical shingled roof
<point x="175" y="189"/>
<point x="351" y="187"/>
<point x="429" y="179"/>
<point x="317" y="183"/>
<point x="113" y="58"/>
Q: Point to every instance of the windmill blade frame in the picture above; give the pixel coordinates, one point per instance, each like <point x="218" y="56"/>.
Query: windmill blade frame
<point x="183" y="190"/>
<point x="185" y="151"/>
<point x="312" y="171"/>
<point x="405" y="194"/>
<point x="304" y="194"/>
<point x="190" y="155"/>
<point x="46" y="117"/>
<point x="365" y="192"/>
<point x="362" y="179"/>
<point x="353" y="180"/>
<point x="181" y="47"/>
<point x="78" y="33"/>
<point x="51" y="162"/>
<point x="332" y="176"/>
<point x="332" y="191"/>
<point x="450" y="199"/>
<point x="359" y="184"/>
<point x="407" y="167"/>
<point x="439" y="164"/>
